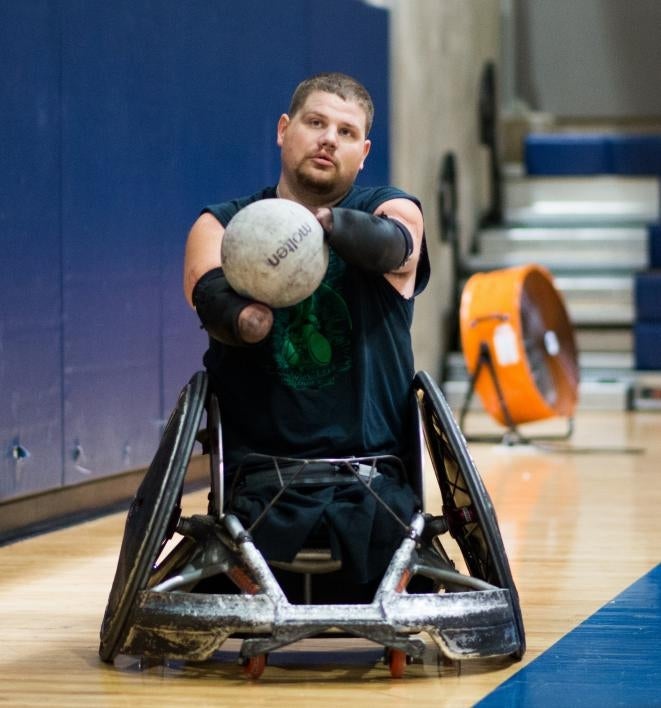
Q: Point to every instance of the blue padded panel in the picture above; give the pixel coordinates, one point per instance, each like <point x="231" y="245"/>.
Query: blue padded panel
<point x="635" y="154"/>
<point x="647" y="345"/>
<point x="592" y="154"/>
<point x="654" y="245"/>
<point x="360" y="48"/>
<point x="575" y="154"/>
<point x="647" y="287"/>
<point x="30" y="277"/>
<point x="114" y="146"/>
<point x="133" y="116"/>
<point x="225" y="92"/>
<point x="224" y="104"/>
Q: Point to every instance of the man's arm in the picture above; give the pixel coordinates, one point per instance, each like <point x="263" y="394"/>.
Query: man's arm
<point x="220" y="309"/>
<point x="387" y="242"/>
<point x="202" y="251"/>
<point x="407" y="213"/>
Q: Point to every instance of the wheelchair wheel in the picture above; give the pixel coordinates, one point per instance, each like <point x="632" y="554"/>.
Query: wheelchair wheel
<point x="254" y="666"/>
<point x="214" y="442"/>
<point x="397" y="660"/>
<point x="153" y="515"/>
<point x="467" y="506"/>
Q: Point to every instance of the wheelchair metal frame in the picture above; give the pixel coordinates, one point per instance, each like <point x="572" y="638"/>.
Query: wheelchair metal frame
<point x="153" y="610"/>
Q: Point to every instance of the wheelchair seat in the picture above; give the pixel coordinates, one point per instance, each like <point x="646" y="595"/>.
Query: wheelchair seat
<point x="154" y="610"/>
<point x="312" y="561"/>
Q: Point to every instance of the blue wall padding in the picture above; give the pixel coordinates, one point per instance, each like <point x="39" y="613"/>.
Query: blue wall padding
<point x="565" y="154"/>
<point x="119" y="122"/>
<point x="654" y="245"/>
<point x="636" y="154"/>
<point x="647" y="287"/>
<point x="30" y="269"/>
<point x="592" y="154"/>
<point x="647" y="345"/>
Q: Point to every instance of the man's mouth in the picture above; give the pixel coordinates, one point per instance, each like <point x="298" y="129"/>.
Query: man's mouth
<point x="323" y="159"/>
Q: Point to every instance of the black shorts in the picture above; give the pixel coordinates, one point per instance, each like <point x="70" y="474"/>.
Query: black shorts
<point x="346" y="518"/>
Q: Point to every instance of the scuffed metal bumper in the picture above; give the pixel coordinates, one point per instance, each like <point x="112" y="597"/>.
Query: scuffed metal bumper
<point x="192" y="626"/>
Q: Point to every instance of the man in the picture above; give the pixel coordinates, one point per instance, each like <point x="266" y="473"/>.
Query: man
<point x="330" y="377"/>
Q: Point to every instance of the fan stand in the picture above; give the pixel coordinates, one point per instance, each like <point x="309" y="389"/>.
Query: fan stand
<point x="513" y="435"/>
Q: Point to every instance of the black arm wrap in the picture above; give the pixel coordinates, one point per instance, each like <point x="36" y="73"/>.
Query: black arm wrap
<point x="374" y="243"/>
<point x="218" y="307"/>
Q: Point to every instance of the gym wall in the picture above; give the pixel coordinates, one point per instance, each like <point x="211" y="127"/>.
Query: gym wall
<point x="119" y="122"/>
<point x="439" y="49"/>
<point x="589" y="59"/>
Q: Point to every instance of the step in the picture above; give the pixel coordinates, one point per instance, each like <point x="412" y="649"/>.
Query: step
<point x="598" y="300"/>
<point x="594" y="201"/>
<point x="563" y="249"/>
<point x="607" y="339"/>
<point x="593" y="366"/>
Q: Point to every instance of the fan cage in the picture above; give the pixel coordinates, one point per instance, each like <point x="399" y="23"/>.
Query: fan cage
<point x="516" y="319"/>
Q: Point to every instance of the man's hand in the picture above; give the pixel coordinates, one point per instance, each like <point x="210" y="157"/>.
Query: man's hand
<point x="325" y="217"/>
<point x="255" y="322"/>
<point x="227" y="316"/>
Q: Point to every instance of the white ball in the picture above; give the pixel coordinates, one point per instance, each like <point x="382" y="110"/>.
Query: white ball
<point x="274" y="251"/>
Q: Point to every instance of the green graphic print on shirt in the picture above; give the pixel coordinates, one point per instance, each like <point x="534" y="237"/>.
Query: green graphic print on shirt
<point x="312" y="340"/>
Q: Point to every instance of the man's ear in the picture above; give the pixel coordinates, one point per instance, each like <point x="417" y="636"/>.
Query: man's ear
<point x="283" y="122"/>
<point x="366" y="150"/>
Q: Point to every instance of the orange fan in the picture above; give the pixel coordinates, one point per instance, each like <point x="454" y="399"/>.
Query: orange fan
<point x="518" y="345"/>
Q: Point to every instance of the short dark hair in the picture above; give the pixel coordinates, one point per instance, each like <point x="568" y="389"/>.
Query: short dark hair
<point x="342" y="85"/>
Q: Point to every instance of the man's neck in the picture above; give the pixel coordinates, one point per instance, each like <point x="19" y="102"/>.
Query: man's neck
<point x="308" y="200"/>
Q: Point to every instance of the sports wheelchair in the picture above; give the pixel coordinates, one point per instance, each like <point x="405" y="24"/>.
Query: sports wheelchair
<point x="154" y="611"/>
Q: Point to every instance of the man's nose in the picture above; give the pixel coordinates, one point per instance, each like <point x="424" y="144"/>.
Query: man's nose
<point x="328" y="139"/>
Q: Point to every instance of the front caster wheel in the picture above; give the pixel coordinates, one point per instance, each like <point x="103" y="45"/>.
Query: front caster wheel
<point x="254" y="666"/>
<point x="397" y="661"/>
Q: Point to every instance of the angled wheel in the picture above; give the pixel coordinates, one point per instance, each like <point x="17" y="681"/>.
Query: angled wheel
<point x="397" y="663"/>
<point x="153" y="515"/>
<point x="216" y="498"/>
<point x="467" y="507"/>
<point x="254" y="666"/>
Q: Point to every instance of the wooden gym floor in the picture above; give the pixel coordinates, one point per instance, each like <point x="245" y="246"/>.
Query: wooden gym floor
<point x="583" y="535"/>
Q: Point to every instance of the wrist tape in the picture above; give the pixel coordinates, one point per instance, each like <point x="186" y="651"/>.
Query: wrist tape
<point x="374" y="243"/>
<point x="218" y="307"/>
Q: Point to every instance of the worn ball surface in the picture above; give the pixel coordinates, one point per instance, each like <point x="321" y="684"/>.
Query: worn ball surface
<point x="274" y="251"/>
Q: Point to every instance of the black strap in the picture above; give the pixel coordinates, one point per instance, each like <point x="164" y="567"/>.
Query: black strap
<point x="218" y="307"/>
<point x="305" y="473"/>
<point x="370" y="242"/>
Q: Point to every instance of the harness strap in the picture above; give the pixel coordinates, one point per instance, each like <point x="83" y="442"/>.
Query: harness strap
<point x="311" y="473"/>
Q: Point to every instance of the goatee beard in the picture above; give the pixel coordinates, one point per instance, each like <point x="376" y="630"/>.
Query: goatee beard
<point x="319" y="187"/>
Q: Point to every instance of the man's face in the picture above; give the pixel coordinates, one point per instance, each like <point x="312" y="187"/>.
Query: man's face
<point x="323" y="145"/>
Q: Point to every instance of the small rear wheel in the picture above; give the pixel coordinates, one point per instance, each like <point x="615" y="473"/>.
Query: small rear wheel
<point x="254" y="666"/>
<point x="397" y="661"/>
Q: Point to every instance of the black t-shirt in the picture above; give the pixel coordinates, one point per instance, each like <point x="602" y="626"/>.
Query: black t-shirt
<point x="333" y="378"/>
